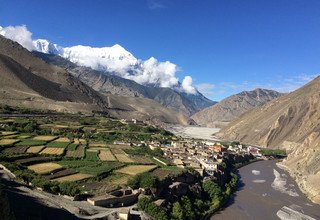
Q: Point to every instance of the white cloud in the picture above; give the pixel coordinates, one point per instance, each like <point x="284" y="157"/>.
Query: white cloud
<point x="19" y="34"/>
<point x="187" y="85"/>
<point x="113" y="59"/>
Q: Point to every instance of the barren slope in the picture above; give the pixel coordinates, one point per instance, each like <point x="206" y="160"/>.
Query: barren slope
<point x="291" y="122"/>
<point x="232" y="107"/>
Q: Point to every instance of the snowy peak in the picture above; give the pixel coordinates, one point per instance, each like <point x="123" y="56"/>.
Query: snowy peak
<point x="45" y="46"/>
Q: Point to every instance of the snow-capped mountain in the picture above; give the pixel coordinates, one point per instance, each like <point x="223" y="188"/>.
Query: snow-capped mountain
<point x="118" y="61"/>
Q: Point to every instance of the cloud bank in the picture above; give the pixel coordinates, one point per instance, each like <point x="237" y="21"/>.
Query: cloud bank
<point x="19" y="34"/>
<point x="115" y="60"/>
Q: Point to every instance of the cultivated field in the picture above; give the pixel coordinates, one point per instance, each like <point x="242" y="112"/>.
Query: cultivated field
<point x="16" y="150"/>
<point x="106" y="155"/>
<point x="58" y="144"/>
<point x="142" y="159"/>
<point x="8" y="132"/>
<point x="136" y="169"/>
<point x="62" y="139"/>
<point x="53" y="151"/>
<point x="97" y="145"/>
<point x="45" y="138"/>
<point x="78" y="153"/>
<point x="6" y="142"/>
<point x="35" y="149"/>
<point x="92" y="155"/>
<point x="44" y="168"/>
<point x="73" y="177"/>
<point x="123" y="158"/>
<point x="30" y="142"/>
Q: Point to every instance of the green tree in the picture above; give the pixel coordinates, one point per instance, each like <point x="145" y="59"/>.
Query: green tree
<point x="177" y="212"/>
<point x="187" y="207"/>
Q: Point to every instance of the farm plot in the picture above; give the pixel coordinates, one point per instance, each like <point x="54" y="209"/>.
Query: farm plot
<point x="99" y="168"/>
<point x="53" y="151"/>
<point x="61" y="173"/>
<point x="24" y="136"/>
<point x="92" y="155"/>
<point x="13" y="136"/>
<point x="56" y="144"/>
<point x="8" y="142"/>
<point x="63" y="139"/>
<point x="35" y="149"/>
<point x="72" y="146"/>
<point x="97" y="145"/>
<point x="73" y="177"/>
<point x="141" y="159"/>
<point x="162" y="173"/>
<point x="45" y="168"/>
<point x="119" y="146"/>
<point x="16" y="150"/>
<point x="30" y="142"/>
<point x="32" y="160"/>
<point x="45" y="138"/>
<point x="124" y="158"/>
<point x="106" y="155"/>
<point x="136" y="169"/>
<point x="78" y="153"/>
<point x="3" y="133"/>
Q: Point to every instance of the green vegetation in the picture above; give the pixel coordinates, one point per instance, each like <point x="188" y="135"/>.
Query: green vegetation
<point x="143" y="180"/>
<point x="58" y="144"/>
<point x="30" y="142"/>
<point x="152" y="209"/>
<point x="93" y="156"/>
<point x="72" y="146"/>
<point x="272" y="152"/>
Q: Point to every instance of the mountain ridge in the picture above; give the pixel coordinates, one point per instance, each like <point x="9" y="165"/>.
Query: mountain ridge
<point x="233" y="106"/>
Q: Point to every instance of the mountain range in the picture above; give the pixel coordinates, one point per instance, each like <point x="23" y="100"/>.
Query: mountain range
<point x="289" y="122"/>
<point x="115" y="70"/>
<point x="29" y="81"/>
<point x="232" y="107"/>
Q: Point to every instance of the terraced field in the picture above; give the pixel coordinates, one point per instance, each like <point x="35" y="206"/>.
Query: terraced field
<point x="73" y="177"/>
<point x="78" y="153"/>
<point x="106" y="155"/>
<point x="35" y="149"/>
<point x="45" y="138"/>
<point x="16" y="150"/>
<point x="136" y="169"/>
<point x="53" y="151"/>
<point x="8" y="142"/>
<point x="45" y="168"/>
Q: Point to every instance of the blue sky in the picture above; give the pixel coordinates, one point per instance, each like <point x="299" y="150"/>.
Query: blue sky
<point x="226" y="46"/>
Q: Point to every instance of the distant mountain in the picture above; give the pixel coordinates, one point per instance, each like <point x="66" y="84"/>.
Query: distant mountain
<point x="108" y="83"/>
<point x="232" y="107"/>
<point x="28" y="81"/>
<point x="291" y="122"/>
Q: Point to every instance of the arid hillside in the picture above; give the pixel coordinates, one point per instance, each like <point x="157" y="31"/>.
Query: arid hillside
<point x="232" y="107"/>
<point x="291" y="122"/>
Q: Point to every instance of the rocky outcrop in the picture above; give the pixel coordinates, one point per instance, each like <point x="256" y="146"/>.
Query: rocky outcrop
<point x="303" y="163"/>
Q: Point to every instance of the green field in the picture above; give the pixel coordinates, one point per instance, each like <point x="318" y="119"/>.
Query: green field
<point x="30" y="142"/>
<point x="72" y="146"/>
<point x="58" y="144"/>
<point x="92" y="156"/>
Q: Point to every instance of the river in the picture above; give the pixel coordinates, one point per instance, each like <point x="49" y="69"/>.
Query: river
<point x="268" y="192"/>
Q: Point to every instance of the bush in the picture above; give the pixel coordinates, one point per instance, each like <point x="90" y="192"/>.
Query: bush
<point x="143" y="180"/>
<point x="69" y="188"/>
<point x="152" y="209"/>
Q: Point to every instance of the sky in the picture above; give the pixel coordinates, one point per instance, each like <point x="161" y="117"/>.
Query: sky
<point x="225" y="46"/>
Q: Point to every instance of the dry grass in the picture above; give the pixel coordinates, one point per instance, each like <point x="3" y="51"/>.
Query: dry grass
<point x="124" y="158"/>
<point x="73" y="177"/>
<point x="136" y="169"/>
<point x="35" y="149"/>
<point x="63" y="139"/>
<point x="92" y="150"/>
<point x="24" y="136"/>
<point x="45" y="138"/>
<point x="5" y="142"/>
<point x="44" y="168"/>
<point x="53" y="151"/>
<point x="8" y="132"/>
<point x="97" y="145"/>
<point x="106" y="155"/>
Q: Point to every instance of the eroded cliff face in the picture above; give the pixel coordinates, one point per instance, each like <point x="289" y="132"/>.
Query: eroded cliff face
<point x="303" y="163"/>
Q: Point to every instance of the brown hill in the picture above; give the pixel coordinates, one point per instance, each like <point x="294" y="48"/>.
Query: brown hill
<point x="291" y="122"/>
<point x="30" y="82"/>
<point x="232" y="107"/>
